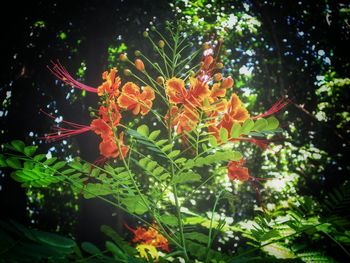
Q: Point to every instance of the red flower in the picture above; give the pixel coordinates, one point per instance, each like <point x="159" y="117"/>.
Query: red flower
<point x="132" y="99"/>
<point x="177" y="92"/>
<point x="184" y="119"/>
<point x="111" y="84"/>
<point x="109" y="147"/>
<point x="149" y="237"/>
<point x="237" y="172"/>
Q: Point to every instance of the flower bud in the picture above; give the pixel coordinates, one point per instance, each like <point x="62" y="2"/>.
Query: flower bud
<point x="145" y="34"/>
<point x="217" y="77"/>
<point x="153" y="28"/>
<point x="139" y="65"/>
<point x="123" y="57"/>
<point x="160" y="80"/>
<point x="92" y="114"/>
<point x="161" y="44"/>
<point x="192" y="73"/>
<point x="219" y="65"/>
<point x="227" y="83"/>
<point x="208" y="61"/>
<point x="137" y="53"/>
<point x="127" y="72"/>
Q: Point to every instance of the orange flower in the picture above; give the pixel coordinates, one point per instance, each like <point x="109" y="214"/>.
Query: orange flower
<point x="199" y="90"/>
<point x="150" y="237"/>
<point x="111" y="84"/>
<point x="100" y="127"/>
<point x="108" y="147"/>
<point x="132" y="99"/>
<point x="237" y="172"/>
<point x="184" y="119"/>
<point x="110" y="114"/>
<point x="236" y="112"/>
<point x="177" y="92"/>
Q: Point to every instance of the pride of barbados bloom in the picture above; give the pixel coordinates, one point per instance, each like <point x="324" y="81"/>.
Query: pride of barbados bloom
<point x="109" y="115"/>
<point x="149" y="240"/>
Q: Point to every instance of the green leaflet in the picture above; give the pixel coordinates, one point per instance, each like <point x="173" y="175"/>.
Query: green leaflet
<point x="90" y="248"/>
<point x="13" y="163"/>
<point x="272" y="123"/>
<point x="143" y="130"/>
<point x="219" y="156"/>
<point x="223" y="135"/>
<point x="247" y="126"/>
<point x="135" y="204"/>
<point x="18" y="145"/>
<point x="186" y="177"/>
<point x="118" y="254"/>
<point x="30" y="150"/>
<point x="169" y="220"/>
<point x="153" y="168"/>
<point x="96" y="189"/>
<point x="278" y="250"/>
<point x="212" y="140"/>
<point x="236" y="130"/>
<point x="260" y="125"/>
<point x="196" y="236"/>
<point x="125" y="246"/>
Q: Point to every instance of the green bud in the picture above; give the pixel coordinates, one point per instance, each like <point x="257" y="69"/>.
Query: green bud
<point x="145" y="34"/>
<point x="153" y="28"/>
<point x="137" y="53"/>
<point x="127" y="72"/>
<point x="161" y="44"/>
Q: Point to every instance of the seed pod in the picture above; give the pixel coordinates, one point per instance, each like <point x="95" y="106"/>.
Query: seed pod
<point x="139" y="65"/>
<point x="137" y="53"/>
<point x="127" y="72"/>
<point x="123" y="57"/>
<point x="161" y="44"/>
<point x="227" y="83"/>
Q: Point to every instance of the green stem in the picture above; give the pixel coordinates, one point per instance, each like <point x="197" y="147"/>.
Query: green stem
<point x="177" y="203"/>
<point x="135" y="184"/>
<point x="211" y="225"/>
<point x="335" y="241"/>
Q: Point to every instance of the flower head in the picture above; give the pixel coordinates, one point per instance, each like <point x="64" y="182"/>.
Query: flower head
<point x="132" y="99"/>
<point x="236" y="171"/>
<point x="111" y="84"/>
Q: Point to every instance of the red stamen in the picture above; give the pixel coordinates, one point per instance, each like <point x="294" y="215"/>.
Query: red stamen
<point x="263" y="144"/>
<point x="61" y="73"/>
<point x="61" y="132"/>
<point x="280" y="104"/>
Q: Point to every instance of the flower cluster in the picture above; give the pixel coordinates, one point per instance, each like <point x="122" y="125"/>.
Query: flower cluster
<point x="191" y="100"/>
<point x="113" y="101"/>
<point x="149" y="239"/>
